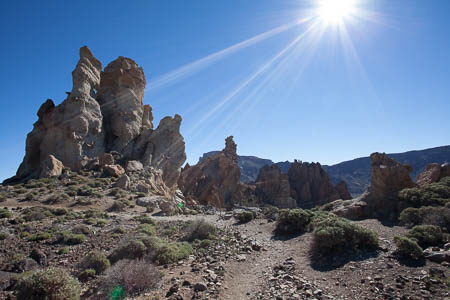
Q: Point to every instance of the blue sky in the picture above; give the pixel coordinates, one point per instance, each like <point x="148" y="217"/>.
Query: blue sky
<point x="379" y="82"/>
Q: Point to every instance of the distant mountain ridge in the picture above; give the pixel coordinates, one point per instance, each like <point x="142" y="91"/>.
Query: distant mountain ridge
<point x="356" y="172"/>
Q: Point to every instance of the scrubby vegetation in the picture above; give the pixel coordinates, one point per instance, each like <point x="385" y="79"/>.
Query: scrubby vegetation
<point x="407" y="248"/>
<point x="427" y="215"/>
<point x="427" y="235"/>
<point x="130" y="249"/>
<point x="293" y="221"/>
<point x="435" y="194"/>
<point x="200" y="230"/>
<point x="69" y="238"/>
<point x="95" y="260"/>
<point x="244" y="216"/>
<point x="4" y="213"/>
<point x="52" y="283"/>
<point x="333" y="235"/>
<point x="130" y="277"/>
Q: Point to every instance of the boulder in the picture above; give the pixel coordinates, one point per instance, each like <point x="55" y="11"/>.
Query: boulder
<point x="51" y="167"/>
<point x="152" y="201"/>
<point x="134" y="166"/>
<point x="168" y="208"/>
<point x="437" y="256"/>
<point x="214" y="180"/>
<point x="106" y="159"/>
<point x="113" y="170"/>
<point x="349" y="209"/>
<point x="123" y="182"/>
<point x="39" y="256"/>
<point x="143" y="188"/>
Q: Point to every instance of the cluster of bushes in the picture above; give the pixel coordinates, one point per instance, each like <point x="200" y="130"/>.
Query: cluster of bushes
<point x="245" y="216"/>
<point x="4" y="213"/>
<point x="428" y="215"/>
<point x="435" y="194"/>
<point x="69" y="238"/>
<point x="153" y="248"/>
<point x="52" y="283"/>
<point x="331" y="234"/>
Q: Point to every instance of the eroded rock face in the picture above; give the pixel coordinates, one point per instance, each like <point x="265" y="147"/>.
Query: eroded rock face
<point x="342" y="189"/>
<point x="310" y="185"/>
<point x="87" y="128"/>
<point x="388" y="177"/>
<point x="51" y="167"/>
<point x="433" y="173"/>
<point x="71" y="131"/>
<point x="214" y="180"/>
<point x="273" y="188"/>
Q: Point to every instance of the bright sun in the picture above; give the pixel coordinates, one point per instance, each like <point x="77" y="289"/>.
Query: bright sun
<point x="335" y="11"/>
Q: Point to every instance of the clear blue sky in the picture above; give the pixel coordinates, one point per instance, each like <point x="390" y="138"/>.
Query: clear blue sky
<point x="382" y="84"/>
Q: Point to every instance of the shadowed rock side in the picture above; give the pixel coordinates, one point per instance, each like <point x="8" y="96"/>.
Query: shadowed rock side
<point x="272" y="187"/>
<point x="214" y="180"/>
<point x="86" y="125"/>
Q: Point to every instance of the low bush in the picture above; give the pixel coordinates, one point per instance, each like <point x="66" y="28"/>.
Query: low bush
<point x="146" y="220"/>
<point x="95" y="260"/>
<point x="293" y="221"/>
<point x="118" y="206"/>
<point x="52" y="283"/>
<point x="131" y="249"/>
<point x="165" y="253"/>
<point x="81" y="229"/>
<point x="57" y="198"/>
<point x="40" y="236"/>
<point x="119" y="230"/>
<point x="3" y="198"/>
<point x="271" y="212"/>
<point x="4" y="213"/>
<point x="36" y="213"/>
<point x="245" y="216"/>
<point x="147" y="229"/>
<point x="427" y="235"/>
<point x="335" y="235"/>
<point x="407" y="248"/>
<point x="437" y="193"/>
<point x="130" y="277"/>
<point x="68" y="238"/>
<point x="86" y="275"/>
<point x="200" y="230"/>
<point x="427" y="215"/>
<point x="3" y="236"/>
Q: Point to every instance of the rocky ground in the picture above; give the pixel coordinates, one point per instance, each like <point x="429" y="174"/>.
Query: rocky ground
<point x="245" y="261"/>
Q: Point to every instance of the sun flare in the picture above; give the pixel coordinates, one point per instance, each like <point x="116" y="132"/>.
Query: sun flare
<point x="335" y="11"/>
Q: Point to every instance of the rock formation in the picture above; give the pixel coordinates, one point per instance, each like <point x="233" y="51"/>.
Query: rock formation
<point x="433" y="173"/>
<point x="310" y="185"/>
<point x="214" y="180"/>
<point x="342" y="189"/>
<point x="273" y="188"/>
<point x="388" y="177"/>
<point x="104" y="113"/>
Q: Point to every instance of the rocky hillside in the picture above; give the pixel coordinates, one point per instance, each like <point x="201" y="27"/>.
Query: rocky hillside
<point x="356" y="173"/>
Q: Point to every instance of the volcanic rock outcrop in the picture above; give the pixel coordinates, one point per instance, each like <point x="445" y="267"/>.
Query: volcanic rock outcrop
<point x="104" y="113"/>
<point x="273" y="188"/>
<point x="433" y="173"/>
<point x="388" y="177"/>
<point x="214" y="180"/>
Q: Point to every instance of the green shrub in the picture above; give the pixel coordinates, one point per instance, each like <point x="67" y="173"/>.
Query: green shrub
<point x="293" y="220"/>
<point x="147" y="229"/>
<point x="68" y="238"/>
<point x="164" y="252"/>
<point x="271" y="212"/>
<point x="81" y="229"/>
<point x="118" y="206"/>
<point x="427" y="235"/>
<point x="40" y="236"/>
<point x="36" y="213"/>
<point x="334" y="235"/>
<point x="427" y="215"/>
<point x="4" y="213"/>
<point x="205" y="243"/>
<point x="57" y="198"/>
<point x="200" y="230"/>
<point x="3" y="236"/>
<point x="120" y="230"/>
<point x="60" y="211"/>
<point x="101" y="223"/>
<point x="146" y="220"/>
<point x="130" y="249"/>
<point x="437" y="193"/>
<point x="3" y="198"/>
<point x="48" y="284"/>
<point x="245" y="216"/>
<point x="95" y="260"/>
<point x="407" y="248"/>
<point x="86" y="275"/>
